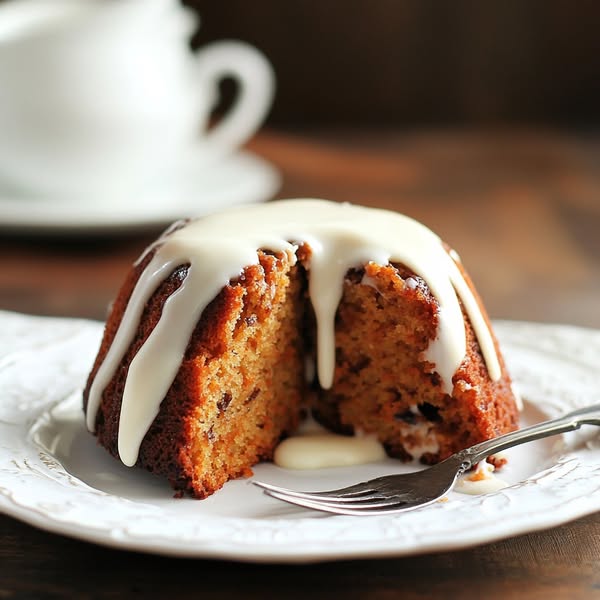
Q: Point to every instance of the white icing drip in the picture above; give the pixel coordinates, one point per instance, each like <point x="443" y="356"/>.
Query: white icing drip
<point x="411" y="283"/>
<point x="482" y="331"/>
<point x="481" y="481"/>
<point x="370" y="281"/>
<point x="156" y="271"/>
<point x="158" y="242"/>
<point x="314" y="447"/>
<point x="518" y="396"/>
<point x="219" y="246"/>
<point x="321" y="450"/>
<point x="454" y="254"/>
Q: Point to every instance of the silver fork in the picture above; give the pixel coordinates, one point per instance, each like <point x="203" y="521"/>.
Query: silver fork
<point x="397" y="493"/>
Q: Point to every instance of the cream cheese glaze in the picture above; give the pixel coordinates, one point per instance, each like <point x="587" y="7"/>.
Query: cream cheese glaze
<point x="314" y="447"/>
<point x="218" y="247"/>
<point x="319" y="451"/>
<point x="482" y="480"/>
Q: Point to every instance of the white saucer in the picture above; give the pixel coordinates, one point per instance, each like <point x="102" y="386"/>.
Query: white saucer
<point x="240" y="178"/>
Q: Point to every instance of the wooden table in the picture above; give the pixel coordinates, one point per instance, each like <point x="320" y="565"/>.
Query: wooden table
<point x="523" y="210"/>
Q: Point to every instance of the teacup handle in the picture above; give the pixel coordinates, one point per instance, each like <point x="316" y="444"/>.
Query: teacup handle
<point x="256" y="85"/>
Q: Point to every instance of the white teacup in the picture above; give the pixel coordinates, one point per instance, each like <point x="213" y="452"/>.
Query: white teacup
<point x="98" y="98"/>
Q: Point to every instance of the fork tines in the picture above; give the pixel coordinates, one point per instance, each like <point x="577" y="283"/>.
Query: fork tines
<point x="359" y="499"/>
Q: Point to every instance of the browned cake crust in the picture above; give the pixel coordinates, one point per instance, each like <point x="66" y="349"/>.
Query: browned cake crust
<point x="239" y="388"/>
<point x="383" y="384"/>
<point x="241" y="385"/>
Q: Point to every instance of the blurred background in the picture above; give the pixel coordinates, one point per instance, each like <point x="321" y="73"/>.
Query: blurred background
<point x="417" y="63"/>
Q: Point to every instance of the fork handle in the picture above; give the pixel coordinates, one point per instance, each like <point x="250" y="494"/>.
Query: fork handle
<point x="569" y="422"/>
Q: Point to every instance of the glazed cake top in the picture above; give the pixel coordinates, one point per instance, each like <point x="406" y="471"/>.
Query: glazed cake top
<point x="218" y="247"/>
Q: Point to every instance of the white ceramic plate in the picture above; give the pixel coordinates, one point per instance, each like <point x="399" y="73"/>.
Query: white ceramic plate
<point x="54" y="476"/>
<point x="191" y="191"/>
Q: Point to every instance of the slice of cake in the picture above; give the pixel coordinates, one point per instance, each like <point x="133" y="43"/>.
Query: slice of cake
<point x="229" y="327"/>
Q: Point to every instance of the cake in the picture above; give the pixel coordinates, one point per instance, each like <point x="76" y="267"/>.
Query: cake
<point x="229" y="328"/>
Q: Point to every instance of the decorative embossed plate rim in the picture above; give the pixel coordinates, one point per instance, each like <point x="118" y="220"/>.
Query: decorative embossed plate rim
<point x="53" y="476"/>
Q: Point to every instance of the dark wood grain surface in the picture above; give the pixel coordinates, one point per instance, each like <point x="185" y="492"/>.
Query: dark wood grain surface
<point x="522" y="207"/>
<point x="420" y="62"/>
<point x="416" y="62"/>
